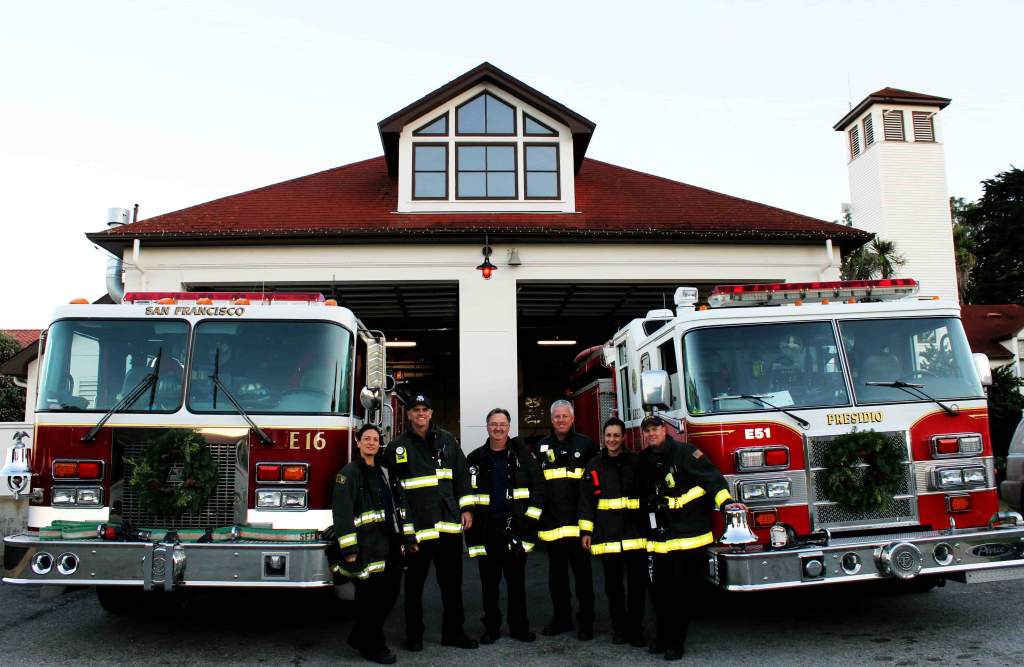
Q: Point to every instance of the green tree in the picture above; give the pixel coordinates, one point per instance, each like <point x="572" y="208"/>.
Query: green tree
<point x="1005" y="405"/>
<point x="12" y="397"/>
<point x="996" y="221"/>
<point x="964" y="246"/>
<point x="875" y="259"/>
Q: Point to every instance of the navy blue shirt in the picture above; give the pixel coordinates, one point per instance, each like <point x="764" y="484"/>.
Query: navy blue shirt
<point x="499" y="484"/>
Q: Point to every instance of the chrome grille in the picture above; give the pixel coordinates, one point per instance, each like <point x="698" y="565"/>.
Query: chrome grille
<point x="901" y="509"/>
<point x="218" y="510"/>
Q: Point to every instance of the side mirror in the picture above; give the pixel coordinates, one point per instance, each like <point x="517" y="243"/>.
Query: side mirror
<point x="370" y="398"/>
<point x="983" y="367"/>
<point x="655" y="390"/>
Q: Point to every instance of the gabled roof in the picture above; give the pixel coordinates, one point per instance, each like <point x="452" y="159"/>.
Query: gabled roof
<point x="987" y="326"/>
<point x="17" y="365"/>
<point x="391" y="127"/>
<point x="356" y="203"/>
<point x="23" y="336"/>
<point x="891" y="96"/>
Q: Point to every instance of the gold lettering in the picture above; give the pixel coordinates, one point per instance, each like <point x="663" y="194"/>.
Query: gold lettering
<point x="293" y="437"/>
<point x="319" y="442"/>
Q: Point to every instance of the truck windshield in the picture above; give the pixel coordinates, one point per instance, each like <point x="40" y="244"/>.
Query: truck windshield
<point x="793" y="365"/>
<point x="930" y="352"/>
<point x="91" y="364"/>
<point x="279" y="367"/>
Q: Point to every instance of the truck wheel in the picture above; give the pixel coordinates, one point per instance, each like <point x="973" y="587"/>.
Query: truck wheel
<point x="118" y="600"/>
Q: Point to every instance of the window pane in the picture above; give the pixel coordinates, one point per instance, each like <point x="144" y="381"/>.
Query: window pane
<point x="533" y="127"/>
<point x="429" y="184"/>
<point x="541" y="184"/>
<point x="472" y="185"/>
<point x="438" y="127"/>
<point x="471" y="158"/>
<point x="430" y="158"/>
<point x="471" y="117"/>
<point x="501" y="158"/>
<point x="501" y="184"/>
<point x="500" y="116"/>
<point x="541" y="158"/>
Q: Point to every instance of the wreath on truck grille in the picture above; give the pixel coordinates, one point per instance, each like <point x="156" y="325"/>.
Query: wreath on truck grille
<point x="863" y="471"/>
<point x="176" y="473"/>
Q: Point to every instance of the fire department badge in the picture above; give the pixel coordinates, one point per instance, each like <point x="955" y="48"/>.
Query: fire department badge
<point x="697" y="453"/>
<point x="551" y="455"/>
<point x="340" y="479"/>
<point x="401" y="456"/>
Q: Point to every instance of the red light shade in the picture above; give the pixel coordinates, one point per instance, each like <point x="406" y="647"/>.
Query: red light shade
<point x="294" y="473"/>
<point x="765" y="518"/>
<point x="268" y="472"/>
<point x="947" y="445"/>
<point x="90" y="470"/>
<point x="957" y="504"/>
<point x="65" y="469"/>
<point x="776" y="457"/>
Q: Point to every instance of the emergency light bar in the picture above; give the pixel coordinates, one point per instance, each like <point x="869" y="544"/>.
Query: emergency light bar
<point x="261" y="298"/>
<point x="772" y="294"/>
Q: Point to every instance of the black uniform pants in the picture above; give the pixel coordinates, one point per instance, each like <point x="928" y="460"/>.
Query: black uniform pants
<point x="677" y="577"/>
<point x="502" y="560"/>
<point x="375" y="598"/>
<point x="562" y="554"/>
<point x="445" y="553"/>
<point x="626" y="610"/>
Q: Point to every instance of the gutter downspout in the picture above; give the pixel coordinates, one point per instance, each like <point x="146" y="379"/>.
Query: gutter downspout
<point x="830" y="255"/>
<point x="116" y="217"/>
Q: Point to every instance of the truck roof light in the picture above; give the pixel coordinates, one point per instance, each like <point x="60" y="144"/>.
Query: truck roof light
<point x="851" y="291"/>
<point x="79" y="301"/>
<point x="209" y="298"/>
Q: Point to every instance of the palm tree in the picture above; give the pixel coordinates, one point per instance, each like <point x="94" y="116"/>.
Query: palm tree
<point x="887" y="261"/>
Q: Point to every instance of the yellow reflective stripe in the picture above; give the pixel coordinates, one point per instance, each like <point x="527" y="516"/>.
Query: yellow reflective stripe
<point x="520" y="494"/>
<point x="447" y="527"/>
<point x="443" y="473"/>
<point x="428" y="534"/>
<point x="618" y="504"/>
<point x="533" y="512"/>
<point x="677" y="502"/>
<point x="587" y="525"/>
<point x="631" y="545"/>
<point x="376" y="566"/>
<point x="347" y="540"/>
<point x="605" y="548"/>
<point x="372" y="568"/>
<point x="466" y="501"/>
<point x="575" y="473"/>
<point x="721" y="497"/>
<point x="408" y="529"/>
<point x="680" y="543"/>
<point x="419" y="482"/>
<point x="477" y="551"/>
<point x="369" y="517"/>
<point x="527" y="547"/>
<point x="559" y="533"/>
<point x="482" y="499"/>
<point x="555" y="473"/>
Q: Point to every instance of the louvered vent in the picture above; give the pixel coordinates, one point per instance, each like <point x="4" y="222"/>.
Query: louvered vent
<point x="854" y="142"/>
<point x="869" y="131"/>
<point x="924" y="129"/>
<point x="892" y="119"/>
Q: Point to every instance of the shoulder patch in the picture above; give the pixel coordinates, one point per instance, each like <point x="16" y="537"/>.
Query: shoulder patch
<point x="697" y="453"/>
<point x="401" y="456"/>
<point x="340" y="479"/>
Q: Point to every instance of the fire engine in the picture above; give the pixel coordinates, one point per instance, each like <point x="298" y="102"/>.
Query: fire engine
<point x="270" y="386"/>
<point x="766" y="378"/>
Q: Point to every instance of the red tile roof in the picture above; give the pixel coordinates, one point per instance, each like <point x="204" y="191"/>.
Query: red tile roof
<point x="986" y="326"/>
<point x="25" y="337"/>
<point x="357" y="202"/>
<point x="890" y="96"/>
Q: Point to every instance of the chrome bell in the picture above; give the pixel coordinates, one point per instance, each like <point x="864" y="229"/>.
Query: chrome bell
<point x="17" y="470"/>
<point x="737" y="531"/>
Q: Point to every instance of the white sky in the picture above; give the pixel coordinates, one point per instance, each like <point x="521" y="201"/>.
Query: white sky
<point x="171" y="104"/>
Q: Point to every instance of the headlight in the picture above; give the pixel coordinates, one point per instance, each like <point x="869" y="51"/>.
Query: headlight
<point x="266" y="498"/>
<point x="953" y="478"/>
<point x="90" y="497"/>
<point x="65" y="496"/>
<point x="779" y="489"/>
<point x="974" y="475"/>
<point x="293" y="499"/>
<point x="950" y="477"/>
<point x="753" y="491"/>
<point x="750" y="459"/>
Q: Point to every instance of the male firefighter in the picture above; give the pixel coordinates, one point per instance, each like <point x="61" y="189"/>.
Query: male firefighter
<point x="681" y="487"/>
<point x="562" y="455"/>
<point x="613" y="528"/>
<point x="507" y="499"/>
<point x="430" y="469"/>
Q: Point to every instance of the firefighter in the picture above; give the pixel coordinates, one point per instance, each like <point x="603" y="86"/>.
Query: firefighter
<point x="367" y="533"/>
<point x="681" y="488"/>
<point x="507" y="502"/>
<point x="612" y="528"/>
<point x="430" y="470"/>
<point x="562" y="455"/>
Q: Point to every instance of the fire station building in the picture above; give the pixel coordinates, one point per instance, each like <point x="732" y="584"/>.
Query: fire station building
<point x="484" y="171"/>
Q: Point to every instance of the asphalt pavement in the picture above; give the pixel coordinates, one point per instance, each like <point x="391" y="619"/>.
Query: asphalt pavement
<point x="838" y="625"/>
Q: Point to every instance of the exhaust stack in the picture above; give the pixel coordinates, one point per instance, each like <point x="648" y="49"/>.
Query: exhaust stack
<point x="115" y="285"/>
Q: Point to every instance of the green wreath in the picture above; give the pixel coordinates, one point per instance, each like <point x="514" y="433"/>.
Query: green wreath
<point x="857" y="488"/>
<point x="175" y="448"/>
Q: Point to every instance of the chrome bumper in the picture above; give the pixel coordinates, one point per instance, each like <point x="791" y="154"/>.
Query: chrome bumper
<point x="970" y="555"/>
<point x="166" y="566"/>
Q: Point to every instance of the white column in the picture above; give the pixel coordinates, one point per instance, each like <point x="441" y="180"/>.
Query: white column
<point x="488" y="358"/>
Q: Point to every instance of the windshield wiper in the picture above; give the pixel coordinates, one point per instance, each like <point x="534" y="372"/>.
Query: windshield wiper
<point x="145" y="383"/>
<point x="915" y="390"/>
<point x="760" y="399"/>
<point x="264" y="438"/>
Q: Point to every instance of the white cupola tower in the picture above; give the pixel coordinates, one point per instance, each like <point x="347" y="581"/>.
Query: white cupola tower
<point x="898" y="187"/>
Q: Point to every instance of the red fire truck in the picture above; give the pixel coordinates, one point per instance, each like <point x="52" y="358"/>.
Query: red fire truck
<point x="767" y="378"/>
<point x="267" y="388"/>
